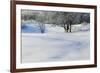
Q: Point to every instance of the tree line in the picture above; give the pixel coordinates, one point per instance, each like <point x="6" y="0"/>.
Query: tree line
<point x="56" y="18"/>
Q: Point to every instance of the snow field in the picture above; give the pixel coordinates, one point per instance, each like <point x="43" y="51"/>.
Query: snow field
<point x="56" y="45"/>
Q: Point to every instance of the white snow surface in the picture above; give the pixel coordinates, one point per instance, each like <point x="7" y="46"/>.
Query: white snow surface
<point x="56" y="45"/>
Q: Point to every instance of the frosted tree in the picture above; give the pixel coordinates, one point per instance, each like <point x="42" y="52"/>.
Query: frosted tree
<point x="65" y="20"/>
<point x="40" y="18"/>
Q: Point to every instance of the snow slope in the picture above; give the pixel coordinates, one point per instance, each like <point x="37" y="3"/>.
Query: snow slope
<point x="30" y="28"/>
<point x="56" y="45"/>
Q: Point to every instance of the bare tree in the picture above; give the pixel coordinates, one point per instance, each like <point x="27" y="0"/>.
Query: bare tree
<point x="40" y="18"/>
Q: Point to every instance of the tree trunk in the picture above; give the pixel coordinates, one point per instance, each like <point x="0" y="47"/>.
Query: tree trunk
<point x="70" y="26"/>
<point x="42" y="28"/>
<point x="65" y="28"/>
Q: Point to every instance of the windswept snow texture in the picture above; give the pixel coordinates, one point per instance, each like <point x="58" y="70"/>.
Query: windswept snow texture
<point x="55" y="44"/>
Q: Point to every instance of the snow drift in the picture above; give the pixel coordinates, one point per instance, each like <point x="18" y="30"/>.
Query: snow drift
<point x="55" y="44"/>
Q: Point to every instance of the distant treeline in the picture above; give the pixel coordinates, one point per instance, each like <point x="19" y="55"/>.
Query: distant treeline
<point x="63" y="19"/>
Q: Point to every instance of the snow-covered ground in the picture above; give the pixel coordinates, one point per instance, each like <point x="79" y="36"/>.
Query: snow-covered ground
<point x="55" y="44"/>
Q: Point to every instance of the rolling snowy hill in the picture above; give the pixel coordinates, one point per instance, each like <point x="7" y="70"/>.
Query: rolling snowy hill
<point x="55" y="44"/>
